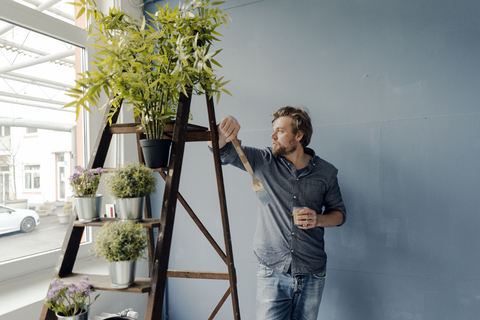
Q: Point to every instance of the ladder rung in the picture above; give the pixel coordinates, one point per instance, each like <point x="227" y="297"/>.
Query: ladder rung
<point x="198" y="275"/>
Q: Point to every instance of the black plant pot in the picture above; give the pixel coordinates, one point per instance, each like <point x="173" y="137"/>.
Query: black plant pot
<point x="156" y="152"/>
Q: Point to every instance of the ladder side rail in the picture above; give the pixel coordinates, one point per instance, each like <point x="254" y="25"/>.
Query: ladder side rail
<point x="223" y="206"/>
<point x="164" y="237"/>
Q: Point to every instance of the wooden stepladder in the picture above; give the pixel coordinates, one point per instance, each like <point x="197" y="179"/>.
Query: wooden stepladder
<point x="159" y="251"/>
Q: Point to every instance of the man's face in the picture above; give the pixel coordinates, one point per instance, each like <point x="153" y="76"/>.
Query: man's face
<point x="283" y="140"/>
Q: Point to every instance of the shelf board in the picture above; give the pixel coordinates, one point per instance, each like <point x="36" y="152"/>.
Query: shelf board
<point x="147" y="223"/>
<point x="194" y="132"/>
<point x="102" y="282"/>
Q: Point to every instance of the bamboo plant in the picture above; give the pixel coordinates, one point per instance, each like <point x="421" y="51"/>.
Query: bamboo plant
<point x="147" y="63"/>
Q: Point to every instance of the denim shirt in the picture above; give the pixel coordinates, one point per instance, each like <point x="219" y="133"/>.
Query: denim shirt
<point x="278" y="243"/>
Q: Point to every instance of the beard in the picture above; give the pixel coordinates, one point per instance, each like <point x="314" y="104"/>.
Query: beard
<point x="282" y="151"/>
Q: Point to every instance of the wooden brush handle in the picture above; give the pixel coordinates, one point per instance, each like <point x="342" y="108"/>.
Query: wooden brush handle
<point x="242" y="156"/>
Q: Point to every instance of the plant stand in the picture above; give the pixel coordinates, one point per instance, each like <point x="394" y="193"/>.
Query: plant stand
<point x="159" y="252"/>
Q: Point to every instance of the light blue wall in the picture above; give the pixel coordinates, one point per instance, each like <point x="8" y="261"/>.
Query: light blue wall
<point x="393" y="89"/>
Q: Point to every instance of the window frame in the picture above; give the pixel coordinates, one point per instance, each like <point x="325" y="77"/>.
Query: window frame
<point x="23" y="16"/>
<point x="31" y="172"/>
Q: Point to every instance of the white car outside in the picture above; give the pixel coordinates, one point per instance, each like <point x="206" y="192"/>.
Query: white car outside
<point x="12" y="219"/>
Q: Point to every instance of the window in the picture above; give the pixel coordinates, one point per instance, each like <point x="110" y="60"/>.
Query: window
<point x="32" y="176"/>
<point x="31" y="130"/>
<point x="39" y="57"/>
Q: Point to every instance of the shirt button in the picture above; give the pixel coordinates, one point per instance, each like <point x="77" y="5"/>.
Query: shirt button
<point x="293" y="233"/>
<point x="292" y="250"/>
<point x="294" y="197"/>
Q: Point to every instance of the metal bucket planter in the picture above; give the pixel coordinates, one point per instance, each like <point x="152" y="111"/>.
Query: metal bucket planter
<point x="122" y="273"/>
<point x="82" y="316"/>
<point x="156" y="152"/>
<point x="89" y="208"/>
<point x="130" y="208"/>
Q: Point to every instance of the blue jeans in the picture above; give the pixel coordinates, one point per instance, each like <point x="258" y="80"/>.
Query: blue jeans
<point x="286" y="297"/>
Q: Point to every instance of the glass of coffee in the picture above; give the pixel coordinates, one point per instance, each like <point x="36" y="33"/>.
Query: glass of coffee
<point x="296" y="213"/>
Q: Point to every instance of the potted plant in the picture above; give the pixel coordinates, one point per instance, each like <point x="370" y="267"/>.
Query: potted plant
<point x="85" y="198"/>
<point x="148" y="63"/>
<point x="129" y="185"/>
<point x="121" y="243"/>
<point x="70" y="301"/>
<point x="67" y="211"/>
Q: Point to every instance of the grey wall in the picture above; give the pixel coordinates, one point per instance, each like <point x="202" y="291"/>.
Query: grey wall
<point x="393" y="91"/>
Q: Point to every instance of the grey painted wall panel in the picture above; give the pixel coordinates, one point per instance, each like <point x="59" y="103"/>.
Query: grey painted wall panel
<point x="393" y="91"/>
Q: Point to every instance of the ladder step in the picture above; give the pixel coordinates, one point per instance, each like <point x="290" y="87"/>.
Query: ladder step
<point x="197" y="275"/>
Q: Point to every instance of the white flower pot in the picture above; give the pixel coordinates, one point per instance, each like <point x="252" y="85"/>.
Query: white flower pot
<point x="82" y="316"/>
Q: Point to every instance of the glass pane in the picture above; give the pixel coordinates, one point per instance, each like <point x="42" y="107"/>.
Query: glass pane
<point x="35" y="71"/>
<point x="28" y="180"/>
<point x="61" y="183"/>
<point x="36" y="181"/>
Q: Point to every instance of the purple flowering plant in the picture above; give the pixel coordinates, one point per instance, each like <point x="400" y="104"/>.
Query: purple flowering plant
<point x="70" y="299"/>
<point x="85" y="182"/>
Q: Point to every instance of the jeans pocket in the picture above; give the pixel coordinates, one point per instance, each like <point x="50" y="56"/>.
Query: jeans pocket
<point x="321" y="275"/>
<point x="264" y="271"/>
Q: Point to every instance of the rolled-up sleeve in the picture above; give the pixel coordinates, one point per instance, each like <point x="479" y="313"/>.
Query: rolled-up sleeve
<point x="333" y="199"/>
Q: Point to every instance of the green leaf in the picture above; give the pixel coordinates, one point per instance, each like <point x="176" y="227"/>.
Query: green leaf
<point x="77" y="4"/>
<point x="68" y="105"/>
<point x="216" y="63"/>
<point x="226" y="91"/>
<point x="81" y="12"/>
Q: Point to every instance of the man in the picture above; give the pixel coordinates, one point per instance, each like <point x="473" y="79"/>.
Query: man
<point x="292" y="259"/>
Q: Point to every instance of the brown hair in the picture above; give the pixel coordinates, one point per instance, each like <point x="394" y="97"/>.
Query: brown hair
<point x="300" y="122"/>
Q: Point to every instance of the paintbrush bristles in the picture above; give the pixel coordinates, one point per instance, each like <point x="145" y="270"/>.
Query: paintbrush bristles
<point x="263" y="196"/>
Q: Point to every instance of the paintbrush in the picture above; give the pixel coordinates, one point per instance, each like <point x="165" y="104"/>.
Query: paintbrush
<point x="262" y="194"/>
